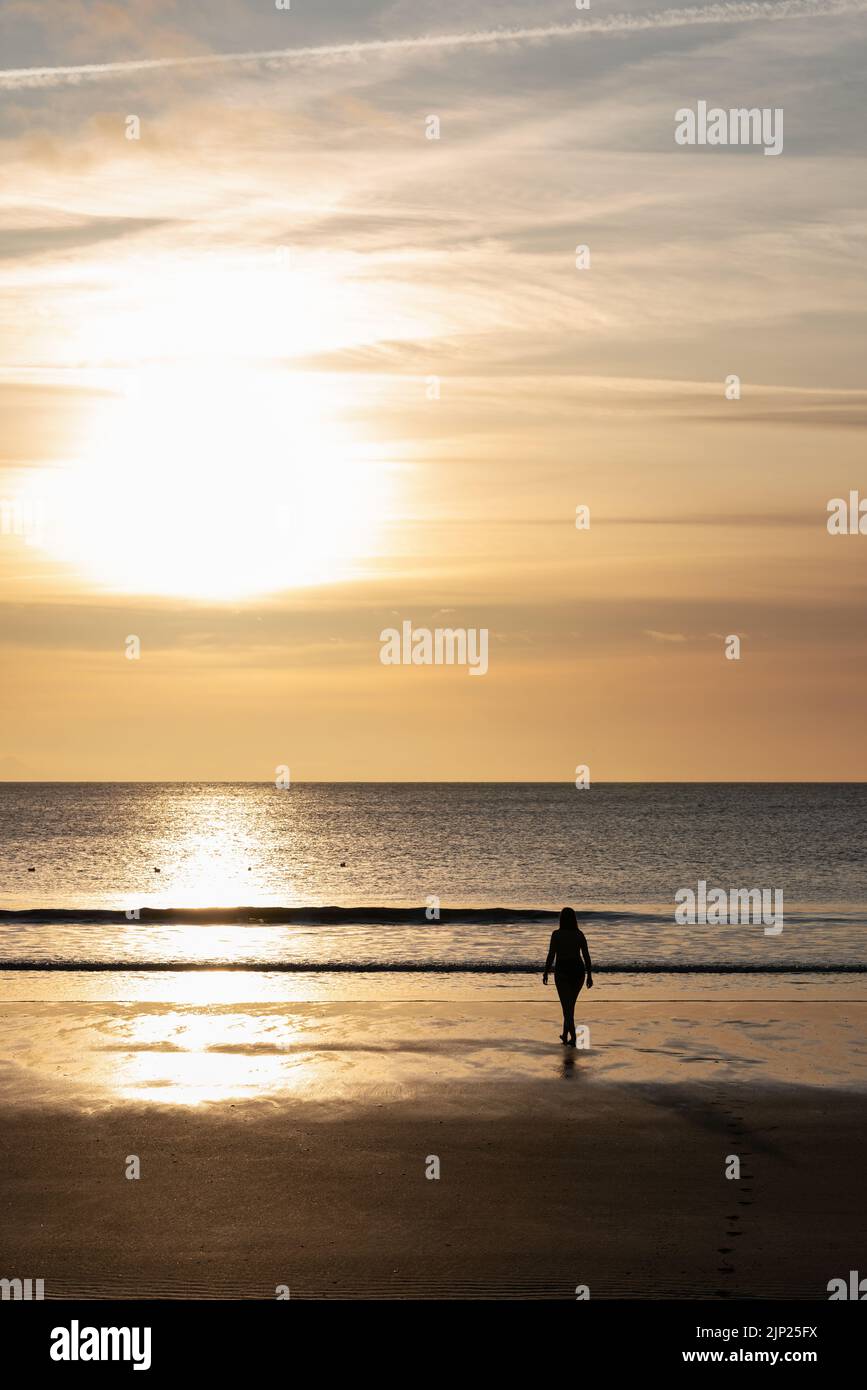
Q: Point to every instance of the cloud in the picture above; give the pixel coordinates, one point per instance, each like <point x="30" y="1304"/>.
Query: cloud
<point x="91" y="231"/>
<point x="733" y="12"/>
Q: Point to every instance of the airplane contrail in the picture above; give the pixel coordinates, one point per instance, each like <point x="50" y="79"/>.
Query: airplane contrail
<point x="728" y="12"/>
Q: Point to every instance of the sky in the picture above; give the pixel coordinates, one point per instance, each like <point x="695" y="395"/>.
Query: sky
<point x="295" y="347"/>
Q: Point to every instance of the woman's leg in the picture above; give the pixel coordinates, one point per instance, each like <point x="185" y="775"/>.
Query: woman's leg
<point x="570" y="1018"/>
<point x="563" y="990"/>
<point x="576" y="982"/>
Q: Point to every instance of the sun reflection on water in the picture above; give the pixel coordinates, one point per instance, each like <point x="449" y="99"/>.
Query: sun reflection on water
<point x="214" y="861"/>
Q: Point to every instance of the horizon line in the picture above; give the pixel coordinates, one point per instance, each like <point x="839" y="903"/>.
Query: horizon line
<point x="435" y="782"/>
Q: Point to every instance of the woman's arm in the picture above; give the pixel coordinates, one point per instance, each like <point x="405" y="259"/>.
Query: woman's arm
<point x="585" y="952"/>
<point x="552" y="953"/>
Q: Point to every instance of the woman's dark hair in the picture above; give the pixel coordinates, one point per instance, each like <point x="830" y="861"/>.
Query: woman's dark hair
<point x="568" y="919"/>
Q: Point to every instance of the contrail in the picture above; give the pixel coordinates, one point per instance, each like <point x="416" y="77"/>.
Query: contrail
<point x="730" y="12"/>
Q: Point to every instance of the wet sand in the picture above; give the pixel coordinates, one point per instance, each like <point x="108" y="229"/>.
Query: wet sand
<point x="288" y="1145"/>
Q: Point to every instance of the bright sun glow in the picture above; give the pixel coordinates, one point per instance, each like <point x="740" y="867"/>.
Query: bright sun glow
<point x="217" y="484"/>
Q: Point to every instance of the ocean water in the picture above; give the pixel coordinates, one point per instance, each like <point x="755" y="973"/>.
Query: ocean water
<point x="163" y="879"/>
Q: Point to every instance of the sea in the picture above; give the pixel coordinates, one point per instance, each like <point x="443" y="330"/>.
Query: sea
<point x="384" y="890"/>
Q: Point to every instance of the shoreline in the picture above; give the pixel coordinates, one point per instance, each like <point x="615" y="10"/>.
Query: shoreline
<point x="260" y="985"/>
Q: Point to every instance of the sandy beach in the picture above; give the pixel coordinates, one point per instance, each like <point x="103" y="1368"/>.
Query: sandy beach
<point x="287" y="1144"/>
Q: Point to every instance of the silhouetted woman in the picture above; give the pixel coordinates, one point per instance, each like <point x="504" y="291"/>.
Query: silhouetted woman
<point x="568" y="953"/>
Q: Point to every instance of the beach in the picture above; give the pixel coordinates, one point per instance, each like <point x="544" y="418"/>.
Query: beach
<point x="275" y="1067"/>
<point x="284" y="1146"/>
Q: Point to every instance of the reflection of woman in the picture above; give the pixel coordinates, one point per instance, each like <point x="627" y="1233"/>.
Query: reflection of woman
<point x="569" y="954"/>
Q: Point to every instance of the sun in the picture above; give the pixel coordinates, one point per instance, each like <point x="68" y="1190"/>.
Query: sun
<point x="217" y="484"/>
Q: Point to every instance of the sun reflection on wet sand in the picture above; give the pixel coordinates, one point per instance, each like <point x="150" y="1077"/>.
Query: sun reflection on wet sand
<point x="192" y="1058"/>
<point x="97" y="1055"/>
<point x="93" y="1056"/>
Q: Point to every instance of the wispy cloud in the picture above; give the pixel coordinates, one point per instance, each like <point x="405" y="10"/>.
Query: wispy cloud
<point x="735" y="12"/>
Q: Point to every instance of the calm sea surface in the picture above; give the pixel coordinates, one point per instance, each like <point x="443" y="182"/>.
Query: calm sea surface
<point x="84" y="859"/>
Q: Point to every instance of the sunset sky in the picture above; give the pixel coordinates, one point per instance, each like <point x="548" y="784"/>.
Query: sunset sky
<point x="283" y="372"/>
